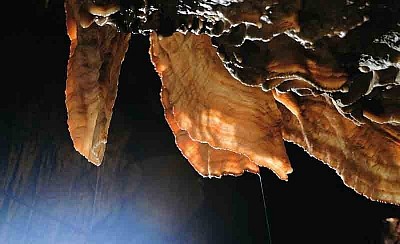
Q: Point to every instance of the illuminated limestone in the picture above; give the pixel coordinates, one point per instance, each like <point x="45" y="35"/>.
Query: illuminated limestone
<point x="330" y="87"/>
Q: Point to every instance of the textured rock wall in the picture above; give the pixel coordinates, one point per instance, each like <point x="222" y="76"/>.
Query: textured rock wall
<point x="48" y="189"/>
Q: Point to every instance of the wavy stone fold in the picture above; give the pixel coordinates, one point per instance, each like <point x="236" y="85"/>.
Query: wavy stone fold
<point x="94" y="64"/>
<point x="366" y="157"/>
<point x="198" y="99"/>
<point x="329" y="75"/>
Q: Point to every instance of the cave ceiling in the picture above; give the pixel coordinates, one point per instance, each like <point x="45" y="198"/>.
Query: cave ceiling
<point x="238" y="78"/>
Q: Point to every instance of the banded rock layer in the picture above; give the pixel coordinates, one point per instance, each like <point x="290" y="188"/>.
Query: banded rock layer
<point x="328" y="73"/>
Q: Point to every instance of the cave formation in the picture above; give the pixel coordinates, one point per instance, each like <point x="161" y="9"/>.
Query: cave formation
<point x="239" y="78"/>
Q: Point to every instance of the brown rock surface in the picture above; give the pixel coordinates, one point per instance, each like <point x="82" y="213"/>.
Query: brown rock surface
<point x="344" y="110"/>
<point x="366" y="157"/>
<point x="95" y="60"/>
<point x="47" y="199"/>
<point x="199" y="100"/>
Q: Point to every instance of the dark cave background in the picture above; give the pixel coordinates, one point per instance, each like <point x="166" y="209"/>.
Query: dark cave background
<point x="145" y="191"/>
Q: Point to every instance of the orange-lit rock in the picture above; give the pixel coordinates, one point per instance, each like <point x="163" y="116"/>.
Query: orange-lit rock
<point x="200" y="102"/>
<point x="366" y="157"/>
<point x="208" y="161"/>
<point x="341" y="111"/>
<point x="96" y="55"/>
<point x="283" y="60"/>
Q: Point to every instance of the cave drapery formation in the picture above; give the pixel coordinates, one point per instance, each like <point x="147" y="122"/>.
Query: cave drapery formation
<point x="240" y="77"/>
